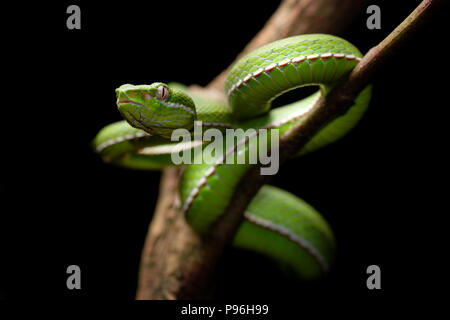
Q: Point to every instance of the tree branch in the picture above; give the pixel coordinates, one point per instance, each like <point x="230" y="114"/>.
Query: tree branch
<point x="178" y="264"/>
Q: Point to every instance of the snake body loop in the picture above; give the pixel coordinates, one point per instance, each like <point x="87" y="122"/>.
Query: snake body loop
<point x="277" y="223"/>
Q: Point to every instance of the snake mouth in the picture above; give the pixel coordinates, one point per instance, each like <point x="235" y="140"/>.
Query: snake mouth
<point x="124" y="101"/>
<point x="128" y="101"/>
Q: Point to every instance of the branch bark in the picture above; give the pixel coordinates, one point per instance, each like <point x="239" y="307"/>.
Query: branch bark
<point x="176" y="263"/>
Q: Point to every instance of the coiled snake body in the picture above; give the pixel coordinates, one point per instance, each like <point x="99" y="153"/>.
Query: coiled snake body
<point x="277" y="223"/>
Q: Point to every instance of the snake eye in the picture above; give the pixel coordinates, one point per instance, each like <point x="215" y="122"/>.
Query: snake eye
<point x="162" y="93"/>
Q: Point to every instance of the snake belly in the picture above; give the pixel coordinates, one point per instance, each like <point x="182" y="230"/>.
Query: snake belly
<point x="277" y="223"/>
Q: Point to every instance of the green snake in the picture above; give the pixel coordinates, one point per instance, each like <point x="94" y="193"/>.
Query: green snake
<point x="276" y="223"/>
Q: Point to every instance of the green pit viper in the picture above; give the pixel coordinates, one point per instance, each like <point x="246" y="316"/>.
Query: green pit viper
<point x="276" y="223"/>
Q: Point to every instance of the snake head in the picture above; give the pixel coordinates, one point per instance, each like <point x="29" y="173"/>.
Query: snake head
<point x="156" y="108"/>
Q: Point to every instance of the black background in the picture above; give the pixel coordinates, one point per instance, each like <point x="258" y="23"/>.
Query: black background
<point x="62" y="205"/>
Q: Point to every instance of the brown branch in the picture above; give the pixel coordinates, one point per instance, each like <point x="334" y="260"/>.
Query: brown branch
<point x="166" y="216"/>
<point x="176" y="263"/>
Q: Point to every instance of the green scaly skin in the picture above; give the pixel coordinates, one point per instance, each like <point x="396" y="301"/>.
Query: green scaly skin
<point x="277" y="223"/>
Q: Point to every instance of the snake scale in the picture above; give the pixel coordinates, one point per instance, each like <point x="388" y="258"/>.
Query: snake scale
<point x="277" y="223"/>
